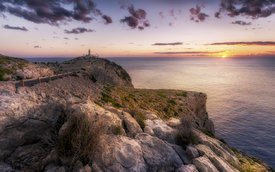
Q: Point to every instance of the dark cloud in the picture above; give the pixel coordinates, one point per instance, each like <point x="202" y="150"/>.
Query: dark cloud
<point x="79" y="30"/>
<point x="50" y="11"/>
<point x="196" y="14"/>
<point x="172" y="13"/>
<point x="107" y="19"/>
<point x="131" y="21"/>
<point x="217" y="15"/>
<point x="137" y="16"/>
<point x="164" y="44"/>
<point x="15" y="28"/>
<point x="249" y="8"/>
<point x="161" y="14"/>
<point x="241" y="23"/>
<point x="190" y="52"/>
<point x="140" y="27"/>
<point x="36" y="46"/>
<point x="262" y="43"/>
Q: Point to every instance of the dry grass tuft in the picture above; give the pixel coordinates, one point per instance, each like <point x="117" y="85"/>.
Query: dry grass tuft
<point x="80" y="139"/>
<point x="185" y="135"/>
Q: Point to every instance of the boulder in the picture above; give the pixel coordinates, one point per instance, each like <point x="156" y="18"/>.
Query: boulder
<point x="197" y="104"/>
<point x="161" y="129"/>
<point x="187" y="168"/>
<point x="209" y="126"/>
<point x="192" y="152"/>
<point x="129" y="124"/>
<point x="203" y="164"/>
<point x="118" y="153"/>
<point x="218" y="162"/>
<point x="158" y="154"/>
<point x="173" y="122"/>
<point x="148" y="130"/>
<point x="6" y="167"/>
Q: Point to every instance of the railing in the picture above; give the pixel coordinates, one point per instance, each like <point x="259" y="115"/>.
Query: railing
<point x="29" y="82"/>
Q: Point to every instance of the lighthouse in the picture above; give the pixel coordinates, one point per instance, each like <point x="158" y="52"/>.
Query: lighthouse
<point x="89" y="52"/>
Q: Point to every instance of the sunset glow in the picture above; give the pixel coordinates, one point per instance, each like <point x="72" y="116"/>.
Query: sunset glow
<point x="131" y="28"/>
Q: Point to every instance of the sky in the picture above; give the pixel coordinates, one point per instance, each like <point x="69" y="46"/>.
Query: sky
<point x="137" y="28"/>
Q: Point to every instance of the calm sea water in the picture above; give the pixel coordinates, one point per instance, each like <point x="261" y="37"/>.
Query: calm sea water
<point x="241" y="94"/>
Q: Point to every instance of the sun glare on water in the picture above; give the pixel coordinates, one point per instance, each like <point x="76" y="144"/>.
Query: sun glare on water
<point x="223" y="57"/>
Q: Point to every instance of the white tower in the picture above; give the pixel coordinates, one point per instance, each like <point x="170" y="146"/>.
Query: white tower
<point x="89" y="52"/>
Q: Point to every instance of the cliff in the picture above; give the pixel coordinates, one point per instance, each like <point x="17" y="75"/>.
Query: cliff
<point x="77" y="124"/>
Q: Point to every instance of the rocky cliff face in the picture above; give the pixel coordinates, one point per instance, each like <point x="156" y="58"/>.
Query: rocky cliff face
<point x="74" y="124"/>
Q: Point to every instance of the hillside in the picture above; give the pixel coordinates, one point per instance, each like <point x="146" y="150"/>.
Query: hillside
<point x="80" y="123"/>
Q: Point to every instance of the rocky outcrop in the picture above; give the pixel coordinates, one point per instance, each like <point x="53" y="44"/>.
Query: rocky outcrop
<point x="34" y="71"/>
<point x="109" y="72"/>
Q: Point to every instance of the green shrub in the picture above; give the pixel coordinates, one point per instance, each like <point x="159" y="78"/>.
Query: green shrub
<point x="3" y="71"/>
<point x="139" y="117"/>
<point x="99" y="104"/>
<point x="83" y="69"/>
<point x="107" y="89"/>
<point x="118" y="130"/>
<point x="19" y="78"/>
<point x="173" y="102"/>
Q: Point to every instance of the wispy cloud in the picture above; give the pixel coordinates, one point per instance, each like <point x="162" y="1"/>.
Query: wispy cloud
<point x="261" y="43"/>
<point x="78" y="30"/>
<point x="15" y="28"/>
<point x="241" y="23"/>
<point x="165" y="44"/>
<point x="107" y="19"/>
<point x="190" y="52"/>
<point x="36" y="46"/>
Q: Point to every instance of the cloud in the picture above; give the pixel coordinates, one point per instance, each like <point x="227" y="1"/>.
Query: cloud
<point x="79" y="30"/>
<point x="107" y="19"/>
<point x="165" y="44"/>
<point x="170" y="23"/>
<point x="50" y="11"/>
<point x="189" y="52"/>
<point x="260" y="43"/>
<point x="76" y="39"/>
<point x="161" y="14"/>
<point x="196" y="14"/>
<point x="217" y="15"/>
<point x="15" y="28"/>
<point x="241" y="23"/>
<point x="36" y="46"/>
<point x="172" y="13"/>
<point x="137" y="16"/>
<point x="248" y="8"/>
<point x="131" y="21"/>
<point x="66" y="38"/>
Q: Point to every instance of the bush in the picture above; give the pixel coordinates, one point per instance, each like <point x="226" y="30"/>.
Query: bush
<point x="20" y="78"/>
<point x="185" y="135"/>
<point x="83" y="69"/>
<point x="139" y="117"/>
<point x="80" y="138"/>
<point x="118" y="130"/>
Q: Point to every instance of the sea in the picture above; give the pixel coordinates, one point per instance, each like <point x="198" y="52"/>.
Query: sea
<point x="240" y="94"/>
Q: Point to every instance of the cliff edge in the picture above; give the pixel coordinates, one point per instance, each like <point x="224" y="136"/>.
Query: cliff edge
<point x="79" y="124"/>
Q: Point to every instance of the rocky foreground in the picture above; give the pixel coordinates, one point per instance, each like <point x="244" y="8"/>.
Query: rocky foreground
<point x="102" y="123"/>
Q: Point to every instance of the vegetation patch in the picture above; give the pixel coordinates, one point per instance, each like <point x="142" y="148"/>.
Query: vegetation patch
<point x="80" y="138"/>
<point x="4" y="71"/>
<point x="118" y="130"/>
<point x="139" y="117"/>
<point x="83" y="69"/>
<point x="107" y="98"/>
<point x="99" y="104"/>
<point x="185" y="135"/>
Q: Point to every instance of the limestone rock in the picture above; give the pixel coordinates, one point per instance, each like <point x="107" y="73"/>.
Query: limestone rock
<point x="203" y="164"/>
<point x="197" y="104"/>
<point x="158" y="154"/>
<point x="187" y="168"/>
<point x="218" y="162"/>
<point x="34" y="71"/>
<point x="182" y="153"/>
<point x="173" y="122"/>
<point x="209" y="126"/>
<point x="218" y="147"/>
<point x="148" y="130"/>
<point x="129" y="124"/>
<point x="161" y="130"/>
<point x="7" y="89"/>
<point x="55" y="168"/>
<point x="192" y="152"/>
<point x="118" y="153"/>
<point x="109" y="72"/>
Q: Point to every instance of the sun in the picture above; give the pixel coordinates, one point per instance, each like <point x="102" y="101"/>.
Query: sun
<point x="223" y="57"/>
